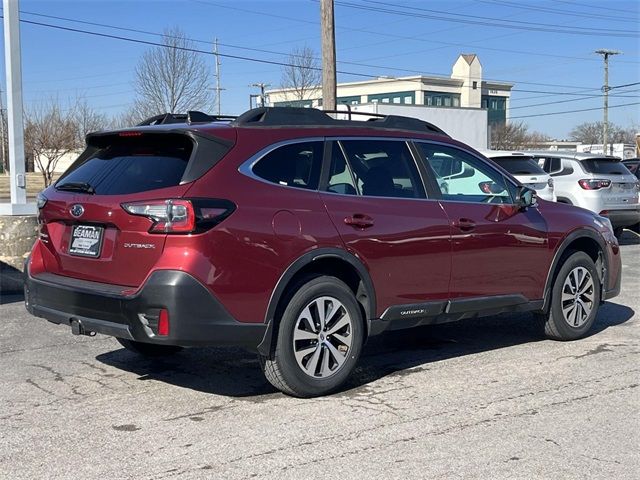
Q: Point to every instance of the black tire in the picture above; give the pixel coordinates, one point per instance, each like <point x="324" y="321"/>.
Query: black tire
<point x="554" y="323"/>
<point x="282" y="369"/>
<point x="149" y="349"/>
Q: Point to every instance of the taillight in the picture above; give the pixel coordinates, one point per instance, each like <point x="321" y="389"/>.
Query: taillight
<point x="594" y="184"/>
<point x="169" y="216"/>
<point x="181" y="216"/>
<point x="41" y="201"/>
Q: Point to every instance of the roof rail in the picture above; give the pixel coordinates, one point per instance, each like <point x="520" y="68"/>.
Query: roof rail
<point x="294" y="116"/>
<point x="191" y="117"/>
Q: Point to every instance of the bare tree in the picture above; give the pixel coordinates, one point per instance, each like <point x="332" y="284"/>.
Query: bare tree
<point x="172" y="78"/>
<point x="514" y="136"/>
<point x="50" y="134"/>
<point x="591" y="133"/>
<point x="87" y="120"/>
<point x="303" y="75"/>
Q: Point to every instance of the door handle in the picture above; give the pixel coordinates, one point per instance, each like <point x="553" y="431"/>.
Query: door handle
<point x="465" y="224"/>
<point x="359" y="220"/>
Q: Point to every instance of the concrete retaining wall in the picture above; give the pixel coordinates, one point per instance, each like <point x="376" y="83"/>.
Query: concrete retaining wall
<point x="17" y="235"/>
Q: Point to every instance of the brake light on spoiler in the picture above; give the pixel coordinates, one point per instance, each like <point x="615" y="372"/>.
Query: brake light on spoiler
<point x="182" y="215"/>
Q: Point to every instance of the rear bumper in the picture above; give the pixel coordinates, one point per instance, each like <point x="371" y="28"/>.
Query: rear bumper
<point x="196" y="317"/>
<point x="623" y="218"/>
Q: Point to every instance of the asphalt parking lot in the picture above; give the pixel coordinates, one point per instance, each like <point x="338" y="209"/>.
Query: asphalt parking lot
<point x="477" y="399"/>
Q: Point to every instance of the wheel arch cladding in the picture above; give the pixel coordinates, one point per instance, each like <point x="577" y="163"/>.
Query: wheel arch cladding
<point x="324" y="261"/>
<point x="582" y="240"/>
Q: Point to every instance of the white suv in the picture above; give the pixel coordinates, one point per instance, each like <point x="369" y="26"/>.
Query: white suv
<point x="525" y="168"/>
<point x="595" y="182"/>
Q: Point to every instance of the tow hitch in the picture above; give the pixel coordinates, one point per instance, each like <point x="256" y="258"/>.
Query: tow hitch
<point x="78" y="329"/>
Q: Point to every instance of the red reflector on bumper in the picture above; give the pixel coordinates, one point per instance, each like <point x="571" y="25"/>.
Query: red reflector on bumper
<point x="163" y="323"/>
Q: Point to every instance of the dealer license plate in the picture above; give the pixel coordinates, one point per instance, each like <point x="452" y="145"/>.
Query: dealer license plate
<point x="86" y="240"/>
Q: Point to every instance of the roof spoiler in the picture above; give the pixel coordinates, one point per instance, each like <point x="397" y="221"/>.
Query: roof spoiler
<point x="191" y="117"/>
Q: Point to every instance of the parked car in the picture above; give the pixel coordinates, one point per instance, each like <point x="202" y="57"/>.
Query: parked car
<point x="633" y="164"/>
<point x="526" y="169"/>
<point x="299" y="236"/>
<point x="600" y="184"/>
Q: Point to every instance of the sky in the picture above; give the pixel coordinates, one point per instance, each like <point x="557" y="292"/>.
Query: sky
<point x="548" y="55"/>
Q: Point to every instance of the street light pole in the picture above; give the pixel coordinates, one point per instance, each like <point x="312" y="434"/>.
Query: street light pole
<point x="605" y="90"/>
<point x="15" y="130"/>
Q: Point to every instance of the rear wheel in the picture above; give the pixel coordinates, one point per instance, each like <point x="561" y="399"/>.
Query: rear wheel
<point x="149" y="349"/>
<point x="575" y="298"/>
<point x="320" y="338"/>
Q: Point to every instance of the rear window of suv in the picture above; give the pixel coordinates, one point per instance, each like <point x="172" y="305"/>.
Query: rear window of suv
<point x="604" y="166"/>
<point x="519" y="165"/>
<point x="132" y="165"/>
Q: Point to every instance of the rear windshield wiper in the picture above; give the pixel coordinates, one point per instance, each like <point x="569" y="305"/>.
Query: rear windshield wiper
<point x="76" y="187"/>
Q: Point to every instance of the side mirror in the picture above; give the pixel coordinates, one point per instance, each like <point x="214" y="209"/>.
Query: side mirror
<point x="526" y="197"/>
<point x="465" y="171"/>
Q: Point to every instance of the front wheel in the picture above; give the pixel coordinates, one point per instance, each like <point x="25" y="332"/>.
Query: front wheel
<point x="575" y="298"/>
<point x="320" y="338"/>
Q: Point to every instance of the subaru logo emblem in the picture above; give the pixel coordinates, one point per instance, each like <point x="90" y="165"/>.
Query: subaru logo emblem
<point x="77" y="210"/>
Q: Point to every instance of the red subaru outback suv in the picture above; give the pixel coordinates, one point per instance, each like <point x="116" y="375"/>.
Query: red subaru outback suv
<point x="299" y="235"/>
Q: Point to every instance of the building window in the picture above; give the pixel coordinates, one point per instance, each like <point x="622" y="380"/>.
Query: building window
<point x="441" y="99"/>
<point x="394" y="97"/>
<point x="475" y="85"/>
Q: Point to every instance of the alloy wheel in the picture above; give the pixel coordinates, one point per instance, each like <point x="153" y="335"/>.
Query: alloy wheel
<point x="322" y="337"/>
<point x="578" y="297"/>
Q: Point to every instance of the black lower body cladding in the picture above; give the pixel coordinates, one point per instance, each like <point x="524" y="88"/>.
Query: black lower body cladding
<point x="196" y="317"/>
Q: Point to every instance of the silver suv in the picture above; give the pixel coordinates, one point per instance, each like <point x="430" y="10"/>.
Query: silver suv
<point x="595" y="182"/>
<point x="525" y="168"/>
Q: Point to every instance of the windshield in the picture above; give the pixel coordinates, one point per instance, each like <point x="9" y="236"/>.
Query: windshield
<point x="519" y="165"/>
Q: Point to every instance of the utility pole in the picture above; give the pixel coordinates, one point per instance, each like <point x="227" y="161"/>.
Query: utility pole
<point x="13" y="65"/>
<point x="605" y="89"/>
<point x="218" y="88"/>
<point x="261" y="86"/>
<point x="327" y="26"/>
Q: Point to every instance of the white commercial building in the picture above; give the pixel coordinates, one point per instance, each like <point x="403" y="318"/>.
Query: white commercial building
<point x="465" y="88"/>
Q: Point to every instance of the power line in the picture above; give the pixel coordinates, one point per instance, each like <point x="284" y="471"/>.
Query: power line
<point x="418" y="38"/>
<point x="589" y="97"/>
<point x="513" y="25"/>
<point x="584" y="5"/>
<point x="262" y="60"/>
<point x="246" y="48"/>
<point x="597" y="16"/>
<point x="573" y="111"/>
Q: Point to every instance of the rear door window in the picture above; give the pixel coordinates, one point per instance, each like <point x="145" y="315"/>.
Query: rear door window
<point x="604" y="166"/>
<point x="132" y="165"/>
<point x="293" y="165"/>
<point x="382" y="168"/>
